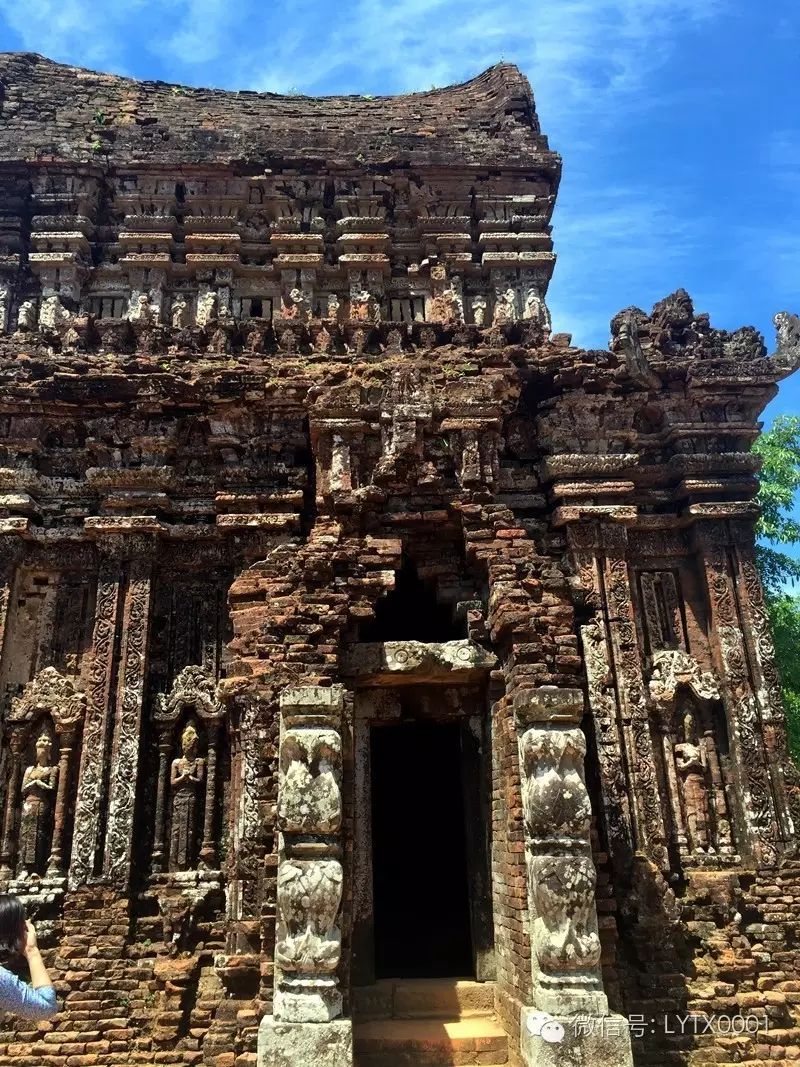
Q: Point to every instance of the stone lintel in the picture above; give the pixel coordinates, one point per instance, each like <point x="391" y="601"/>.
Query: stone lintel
<point x="411" y="662"/>
<point x="621" y="513"/>
<point x="548" y="705"/>
<point x="725" y="509"/>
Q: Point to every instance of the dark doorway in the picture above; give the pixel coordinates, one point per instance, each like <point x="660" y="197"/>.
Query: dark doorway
<point x="411" y="612"/>
<point x="419" y="856"/>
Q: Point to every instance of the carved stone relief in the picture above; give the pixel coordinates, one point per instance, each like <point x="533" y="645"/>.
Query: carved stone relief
<point x="44" y="721"/>
<point x="190" y="714"/>
<point x="310" y="872"/>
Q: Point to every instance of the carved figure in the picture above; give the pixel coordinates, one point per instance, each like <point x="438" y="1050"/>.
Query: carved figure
<point x="186" y="777"/>
<point x="363" y="305"/>
<point x="536" y="309"/>
<point x="309" y="894"/>
<point x="787" y="330"/>
<point x="206" y="308"/>
<point x="310" y="797"/>
<point x="26" y="316"/>
<point x="333" y="306"/>
<point x="447" y="305"/>
<point x="505" y="308"/>
<point x="53" y="315"/>
<point x="479" y="310"/>
<point x="5" y="298"/>
<point x="179" y="313"/>
<point x="223" y="336"/>
<point x="39" y="785"/>
<point x="555" y="798"/>
<point x="297" y="306"/>
<point x="691" y="770"/>
<point x="565" y="925"/>
<point x="141" y="311"/>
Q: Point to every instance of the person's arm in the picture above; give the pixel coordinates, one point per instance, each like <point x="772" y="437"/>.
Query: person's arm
<point x="39" y="976"/>
<point x="34" y="1001"/>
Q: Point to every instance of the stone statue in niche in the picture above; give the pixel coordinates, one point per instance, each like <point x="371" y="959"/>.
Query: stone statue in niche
<point x="479" y="310"/>
<point x="223" y="336"/>
<point x="26" y="316"/>
<point x="39" y="786"/>
<point x="692" y="775"/>
<point x="297" y="306"/>
<point x="505" y="306"/>
<point x="179" y="313"/>
<point x="186" y="779"/>
<point x="364" y="307"/>
<point x="333" y="306"/>
<point x="206" y="308"/>
<point x="53" y="316"/>
<point x="536" y="309"/>
<point x="142" y="311"/>
<point x="693" y="742"/>
<point x="447" y="303"/>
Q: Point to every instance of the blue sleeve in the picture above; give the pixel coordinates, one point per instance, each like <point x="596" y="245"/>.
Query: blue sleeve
<point x="19" y="998"/>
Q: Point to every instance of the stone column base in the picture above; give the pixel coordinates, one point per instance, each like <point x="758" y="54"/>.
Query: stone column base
<point x="574" y="1040"/>
<point x="282" y="1044"/>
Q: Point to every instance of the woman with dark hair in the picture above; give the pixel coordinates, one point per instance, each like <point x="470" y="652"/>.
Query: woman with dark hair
<point x="34" y="1001"/>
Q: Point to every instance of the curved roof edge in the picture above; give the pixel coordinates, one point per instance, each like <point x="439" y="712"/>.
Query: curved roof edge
<point x="55" y="112"/>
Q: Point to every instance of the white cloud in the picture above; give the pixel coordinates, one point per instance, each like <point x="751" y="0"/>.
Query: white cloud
<point x="88" y="33"/>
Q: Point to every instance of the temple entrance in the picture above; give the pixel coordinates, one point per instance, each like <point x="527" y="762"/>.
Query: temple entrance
<point x="420" y="853"/>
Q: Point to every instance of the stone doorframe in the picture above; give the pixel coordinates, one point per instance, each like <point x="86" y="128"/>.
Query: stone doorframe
<point x="376" y="672"/>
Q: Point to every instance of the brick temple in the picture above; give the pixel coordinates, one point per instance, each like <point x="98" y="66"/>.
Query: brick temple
<point x="379" y="670"/>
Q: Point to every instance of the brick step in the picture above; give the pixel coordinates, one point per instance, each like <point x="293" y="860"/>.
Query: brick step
<point x="424" y="998"/>
<point x="429" y="1043"/>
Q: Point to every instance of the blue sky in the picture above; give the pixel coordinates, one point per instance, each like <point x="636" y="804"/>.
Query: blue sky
<point x="678" y="120"/>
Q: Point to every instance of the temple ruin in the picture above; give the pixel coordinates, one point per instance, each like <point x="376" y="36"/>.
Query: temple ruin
<point x="385" y="681"/>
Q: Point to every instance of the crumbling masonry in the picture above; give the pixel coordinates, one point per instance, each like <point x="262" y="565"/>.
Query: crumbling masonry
<point x="378" y="669"/>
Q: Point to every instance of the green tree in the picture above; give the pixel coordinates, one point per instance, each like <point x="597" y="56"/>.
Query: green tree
<point x="779" y="482"/>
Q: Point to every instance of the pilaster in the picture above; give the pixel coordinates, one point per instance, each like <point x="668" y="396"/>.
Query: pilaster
<point x="306" y="1028"/>
<point x="565" y="942"/>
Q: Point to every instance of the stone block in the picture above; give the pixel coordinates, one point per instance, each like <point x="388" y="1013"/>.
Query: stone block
<point x="282" y="1044"/>
<point x="575" y="1040"/>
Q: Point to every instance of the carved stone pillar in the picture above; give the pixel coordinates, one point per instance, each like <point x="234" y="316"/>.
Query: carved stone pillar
<point x="208" y="848"/>
<point x="565" y="943"/>
<point x="306" y="1027"/>
<point x="11" y="549"/>
<point x="757" y="633"/>
<point x="66" y="742"/>
<point x="617" y="694"/>
<point x="673" y="785"/>
<point x="87" y="839"/>
<point x="164" y="752"/>
<point x="7" y="850"/>
<point x="110" y="756"/>
<point x="762" y="811"/>
<point x="127" y="725"/>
